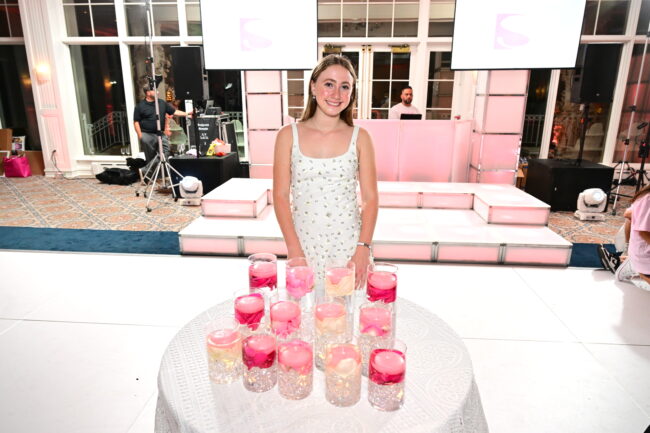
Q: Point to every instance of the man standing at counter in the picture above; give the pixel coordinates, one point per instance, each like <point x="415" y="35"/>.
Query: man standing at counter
<point x="405" y="106"/>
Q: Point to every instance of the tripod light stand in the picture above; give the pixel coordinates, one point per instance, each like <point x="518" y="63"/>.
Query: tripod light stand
<point x="160" y="166"/>
<point x="624" y="162"/>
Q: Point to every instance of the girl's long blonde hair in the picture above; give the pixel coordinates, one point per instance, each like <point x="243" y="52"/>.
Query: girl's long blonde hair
<point x="326" y="62"/>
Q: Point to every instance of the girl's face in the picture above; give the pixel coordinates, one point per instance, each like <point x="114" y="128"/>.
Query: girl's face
<point x="333" y="90"/>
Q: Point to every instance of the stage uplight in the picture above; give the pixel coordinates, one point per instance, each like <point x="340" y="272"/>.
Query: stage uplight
<point x="591" y="205"/>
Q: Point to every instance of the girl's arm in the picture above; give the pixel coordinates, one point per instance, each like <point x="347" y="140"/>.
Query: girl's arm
<point x="281" y="186"/>
<point x="369" y="203"/>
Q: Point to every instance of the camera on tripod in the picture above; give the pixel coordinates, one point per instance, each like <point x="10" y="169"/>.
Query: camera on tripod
<point x="153" y="84"/>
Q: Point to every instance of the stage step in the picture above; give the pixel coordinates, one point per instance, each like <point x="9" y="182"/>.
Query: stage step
<point x="500" y="204"/>
<point x="438" y="235"/>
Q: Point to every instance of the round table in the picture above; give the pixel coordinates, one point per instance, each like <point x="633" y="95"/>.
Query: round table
<point x="441" y="394"/>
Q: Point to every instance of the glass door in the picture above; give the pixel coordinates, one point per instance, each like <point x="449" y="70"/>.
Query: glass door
<point x="381" y="76"/>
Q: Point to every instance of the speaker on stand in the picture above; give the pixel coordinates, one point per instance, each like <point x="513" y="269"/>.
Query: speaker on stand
<point x="593" y="81"/>
<point x="190" y="83"/>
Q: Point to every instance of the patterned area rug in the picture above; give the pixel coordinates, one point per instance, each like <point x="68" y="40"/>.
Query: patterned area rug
<point x="38" y="201"/>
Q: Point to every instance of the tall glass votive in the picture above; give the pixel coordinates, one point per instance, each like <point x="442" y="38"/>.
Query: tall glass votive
<point x="263" y="271"/>
<point x="300" y="282"/>
<point x="331" y="326"/>
<point x="382" y="282"/>
<point x="386" y="374"/>
<point x="339" y="278"/>
<point x="285" y="316"/>
<point x="249" y="308"/>
<point x="223" y="345"/>
<point x="296" y="372"/>
<point x="259" y="359"/>
<point x="375" y="329"/>
<point x="343" y="374"/>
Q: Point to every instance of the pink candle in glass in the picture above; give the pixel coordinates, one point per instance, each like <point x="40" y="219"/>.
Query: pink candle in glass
<point x="343" y="359"/>
<point x="249" y="309"/>
<point x="296" y="355"/>
<point x="382" y="286"/>
<point x="263" y="274"/>
<point x="387" y="366"/>
<point x="330" y="318"/>
<point x="339" y="281"/>
<point x="300" y="280"/>
<point x="259" y="351"/>
<point x="223" y="339"/>
<point x="285" y="317"/>
<point x="375" y="321"/>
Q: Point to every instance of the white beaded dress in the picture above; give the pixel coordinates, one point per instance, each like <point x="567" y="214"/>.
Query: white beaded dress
<point x="324" y="204"/>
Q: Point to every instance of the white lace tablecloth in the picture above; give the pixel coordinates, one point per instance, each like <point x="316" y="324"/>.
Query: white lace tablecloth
<point x="441" y="395"/>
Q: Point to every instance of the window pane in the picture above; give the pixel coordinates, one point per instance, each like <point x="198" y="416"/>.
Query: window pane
<point x="441" y="18"/>
<point x="439" y="66"/>
<point x="438" y="114"/>
<point x="644" y="18"/>
<point x="295" y="74"/>
<point x="140" y="70"/>
<point x="381" y="66"/>
<point x="354" y="20"/>
<point x="380" y="94"/>
<point x="353" y="56"/>
<point x="102" y="1"/>
<point x="296" y="113"/>
<point x="4" y="24"/>
<point x="401" y="66"/>
<point x="329" y="20"/>
<point x="589" y="20"/>
<point x="379" y="114"/>
<point x="193" y="13"/>
<point x="136" y="20"/>
<point x="77" y="20"/>
<point x="406" y="20"/>
<point x="295" y="87"/>
<point x="100" y="96"/>
<point x="642" y="113"/>
<point x="14" y="21"/>
<point x="17" y="109"/>
<point x="104" y="20"/>
<point x="612" y="17"/>
<point x="296" y="100"/>
<point x="396" y="91"/>
<point x="380" y="20"/>
<point x="165" y="20"/>
<point x="75" y="1"/>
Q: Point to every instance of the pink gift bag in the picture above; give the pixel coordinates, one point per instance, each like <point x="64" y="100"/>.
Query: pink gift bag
<point x="16" y="166"/>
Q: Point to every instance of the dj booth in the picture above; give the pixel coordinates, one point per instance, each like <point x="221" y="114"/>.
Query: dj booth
<point x="212" y="171"/>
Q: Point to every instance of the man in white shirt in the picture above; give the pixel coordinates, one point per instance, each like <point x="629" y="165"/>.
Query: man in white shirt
<point x="404" y="106"/>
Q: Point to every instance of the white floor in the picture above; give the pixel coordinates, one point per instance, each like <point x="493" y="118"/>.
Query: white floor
<point x="81" y="337"/>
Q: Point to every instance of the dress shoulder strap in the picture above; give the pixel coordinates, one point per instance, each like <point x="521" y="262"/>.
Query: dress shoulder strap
<point x="294" y="130"/>
<point x="353" y="140"/>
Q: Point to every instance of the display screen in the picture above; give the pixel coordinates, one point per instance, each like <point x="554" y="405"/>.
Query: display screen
<point x="260" y="34"/>
<point x="516" y="34"/>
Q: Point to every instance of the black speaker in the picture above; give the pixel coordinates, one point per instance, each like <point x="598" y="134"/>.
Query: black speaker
<point x="558" y="182"/>
<point x="595" y="74"/>
<point x="187" y="66"/>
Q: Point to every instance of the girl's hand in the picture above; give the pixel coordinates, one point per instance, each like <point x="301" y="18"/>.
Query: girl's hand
<point x="361" y="260"/>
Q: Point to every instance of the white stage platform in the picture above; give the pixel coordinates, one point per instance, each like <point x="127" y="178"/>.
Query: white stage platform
<point x="439" y="222"/>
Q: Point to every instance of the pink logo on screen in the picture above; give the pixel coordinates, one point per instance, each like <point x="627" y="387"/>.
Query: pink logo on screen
<point x="505" y="39"/>
<point x="250" y="40"/>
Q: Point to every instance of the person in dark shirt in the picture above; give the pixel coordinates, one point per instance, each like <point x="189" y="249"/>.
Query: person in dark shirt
<point x="144" y="121"/>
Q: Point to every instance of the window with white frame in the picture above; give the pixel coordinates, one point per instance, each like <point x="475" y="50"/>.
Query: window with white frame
<point x="193" y="16"/>
<point x="440" y="86"/>
<point x="10" y="26"/>
<point x="390" y="74"/>
<point x="86" y="18"/>
<point x="372" y="18"/>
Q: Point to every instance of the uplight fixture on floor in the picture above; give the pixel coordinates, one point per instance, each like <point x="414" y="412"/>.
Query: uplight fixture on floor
<point x="191" y="191"/>
<point x="591" y="205"/>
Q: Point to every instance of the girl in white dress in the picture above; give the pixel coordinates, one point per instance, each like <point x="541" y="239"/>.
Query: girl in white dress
<point x="318" y="164"/>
